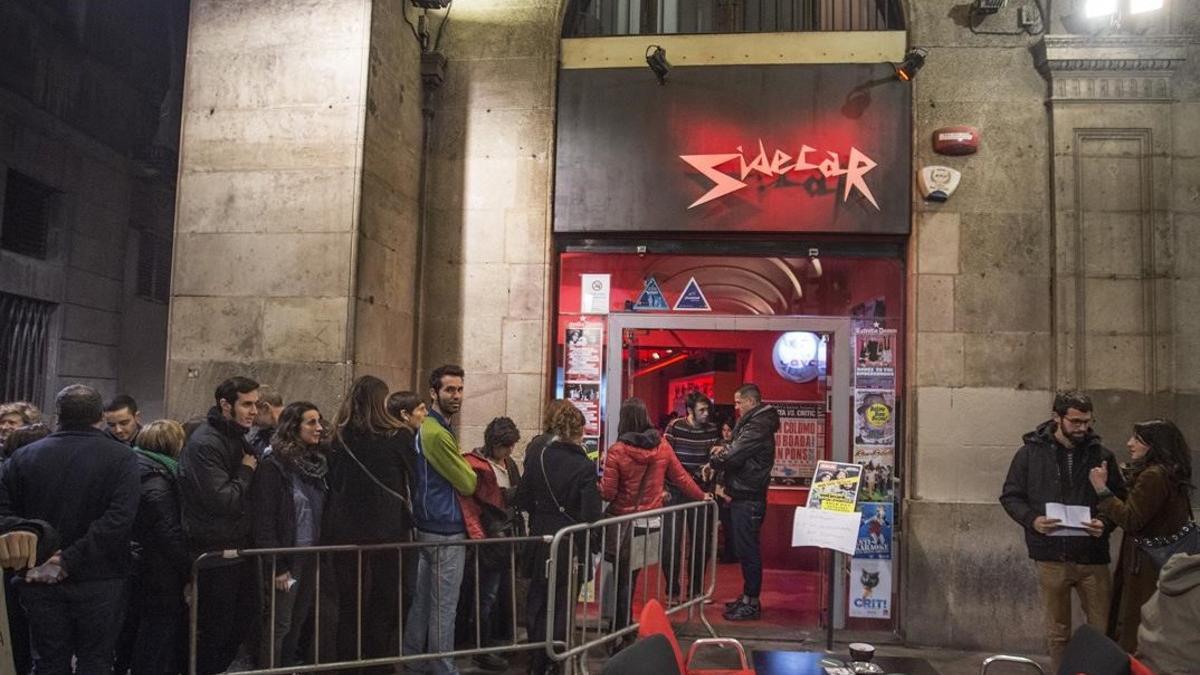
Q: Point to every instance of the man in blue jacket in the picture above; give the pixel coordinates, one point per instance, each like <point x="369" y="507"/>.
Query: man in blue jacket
<point x="86" y="486"/>
<point x="441" y="475"/>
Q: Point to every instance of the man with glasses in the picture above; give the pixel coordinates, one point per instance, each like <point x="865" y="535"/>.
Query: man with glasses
<point x="1052" y="467"/>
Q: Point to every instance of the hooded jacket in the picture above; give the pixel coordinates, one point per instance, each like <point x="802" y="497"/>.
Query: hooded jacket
<point x="214" y="485"/>
<point x="751" y="455"/>
<point x="638" y="456"/>
<point x="1038" y="474"/>
<point x="1168" y="641"/>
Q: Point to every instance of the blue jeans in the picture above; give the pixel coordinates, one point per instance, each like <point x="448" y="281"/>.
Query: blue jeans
<point x="430" y="625"/>
<point x="747" y="517"/>
<point x="74" y="618"/>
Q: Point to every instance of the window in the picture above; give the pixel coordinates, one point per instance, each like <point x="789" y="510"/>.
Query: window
<point x="26" y="226"/>
<point x="154" y="267"/>
<point x="24" y="334"/>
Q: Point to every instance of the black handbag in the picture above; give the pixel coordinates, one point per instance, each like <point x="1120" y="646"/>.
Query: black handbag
<point x="1185" y="540"/>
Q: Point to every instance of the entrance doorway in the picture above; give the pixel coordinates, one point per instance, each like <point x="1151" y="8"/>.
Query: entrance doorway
<point x="803" y="366"/>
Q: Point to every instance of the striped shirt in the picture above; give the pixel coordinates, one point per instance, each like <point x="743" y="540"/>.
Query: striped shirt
<point x="692" y="444"/>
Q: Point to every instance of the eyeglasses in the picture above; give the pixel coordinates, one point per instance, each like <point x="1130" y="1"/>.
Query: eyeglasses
<point x="1080" y="421"/>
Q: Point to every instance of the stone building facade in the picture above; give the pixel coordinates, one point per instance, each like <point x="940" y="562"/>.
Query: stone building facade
<point x="333" y="220"/>
<point x="88" y="130"/>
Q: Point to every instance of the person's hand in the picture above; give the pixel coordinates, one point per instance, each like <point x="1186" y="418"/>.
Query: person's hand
<point x="1094" y="527"/>
<point x="718" y="451"/>
<point x="707" y="472"/>
<point x="708" y="497"/>
<point x="666" y="497"/>
<point x="1045" y="525"/>
<point x="18" y="550"/>
<point x="250" y="461"/>
<point x="283" y="581"/>
<point x="49" y="572"/>
<point x="1099" y="476"/>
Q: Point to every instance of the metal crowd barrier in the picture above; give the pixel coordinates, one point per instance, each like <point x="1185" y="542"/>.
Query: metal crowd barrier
<point x="642" y="549"/>
<point x="268" y="559"/>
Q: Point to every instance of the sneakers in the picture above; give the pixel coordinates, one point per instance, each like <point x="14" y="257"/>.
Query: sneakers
<point x="493" y="662"/>
<point x="733" y="603"/>
<point x="743" y="612"/>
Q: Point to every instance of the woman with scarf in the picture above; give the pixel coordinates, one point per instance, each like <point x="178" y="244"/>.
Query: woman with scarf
<point x="289" y="493"/>
<point x="153" y="641"/>
<point x="1159" y="480"/>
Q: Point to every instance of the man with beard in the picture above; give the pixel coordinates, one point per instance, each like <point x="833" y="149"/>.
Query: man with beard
<point x="1053" y="466"/>
<point x="215" y="471"/>
<point x="747" y="462"/>
<point x="441" y="475"/>
<point x="691" y="438"/>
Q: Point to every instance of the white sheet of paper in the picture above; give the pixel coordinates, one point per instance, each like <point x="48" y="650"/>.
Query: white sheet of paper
<point x="1073" y="518"/>
<point x="835" y="530"/>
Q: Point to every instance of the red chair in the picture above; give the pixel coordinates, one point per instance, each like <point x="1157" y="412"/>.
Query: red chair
<point x="654" y="621"/>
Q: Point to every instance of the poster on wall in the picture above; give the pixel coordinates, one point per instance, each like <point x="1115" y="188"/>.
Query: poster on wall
<point x="875" y="532"/>
<point x="586" y="397"/>
<point x="870" y="589"/>
<point x="594" y="291"/>
<point x="875" y="359"/>
<point x="584" y="352"/>
<point x="874" y="417"/>
<point x="799" y="442"/>
<point x="879" y="471"/>
<point x="834" y="486"/>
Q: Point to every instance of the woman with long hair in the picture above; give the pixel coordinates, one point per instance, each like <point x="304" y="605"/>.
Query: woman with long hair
<point x="635" y="469"/>
<point x="1158" y="504"/>
<point x="289" y="493"/>
<point x="557" y="490"/>
<point x="370" y="460"/>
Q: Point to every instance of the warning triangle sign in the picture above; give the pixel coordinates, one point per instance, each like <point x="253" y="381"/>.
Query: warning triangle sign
<point x="692" y="299"/>
<point x="651" y="297"/>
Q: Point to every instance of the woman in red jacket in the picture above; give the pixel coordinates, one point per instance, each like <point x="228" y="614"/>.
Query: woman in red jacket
<point x="635" y="468"/>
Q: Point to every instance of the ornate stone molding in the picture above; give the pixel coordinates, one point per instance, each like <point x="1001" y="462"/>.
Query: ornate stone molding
<point x="1110" y="68"/>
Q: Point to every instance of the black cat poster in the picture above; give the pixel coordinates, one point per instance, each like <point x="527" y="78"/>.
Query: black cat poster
<point x="871" y="589"/>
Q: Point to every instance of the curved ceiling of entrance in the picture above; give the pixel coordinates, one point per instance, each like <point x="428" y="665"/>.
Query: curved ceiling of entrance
<point x="735" y="285"/>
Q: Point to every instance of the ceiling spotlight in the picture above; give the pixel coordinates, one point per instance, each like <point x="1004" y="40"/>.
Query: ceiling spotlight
<point x="988" y="6"/>
<point x="913" y="61"/>
<point x="656" y="58"/>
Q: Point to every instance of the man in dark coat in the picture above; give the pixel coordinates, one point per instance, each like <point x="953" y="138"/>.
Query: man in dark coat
<point x="215" y="471"/>
<point x="747" y="462"/>
<point x="1052" y="467"/>
<point x="86" y="487"/>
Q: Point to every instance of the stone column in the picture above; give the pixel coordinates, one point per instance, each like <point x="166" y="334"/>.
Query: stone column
<point x="487" y="253"/>
<point x="1113" y="140"/>
<point x="296" y="213"/>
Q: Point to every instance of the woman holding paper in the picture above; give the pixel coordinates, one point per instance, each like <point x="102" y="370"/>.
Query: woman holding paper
<point x="1157" y="505"/>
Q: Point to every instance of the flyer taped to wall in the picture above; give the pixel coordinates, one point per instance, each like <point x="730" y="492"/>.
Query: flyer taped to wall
<point x="835" y="486"/>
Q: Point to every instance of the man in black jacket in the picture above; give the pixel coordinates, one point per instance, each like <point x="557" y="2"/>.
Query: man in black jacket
<point x="1052" y="467"/>
<point x="215" y="470"/>
<point x="86" y="487"/>
<point x="747" y="462"/>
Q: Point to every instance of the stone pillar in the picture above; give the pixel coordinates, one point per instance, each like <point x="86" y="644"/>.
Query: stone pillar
<point x="297" y="200"/>
<point x="979" y="374"/>
<point x="487" y="257"/>
<point x="1113" y="140"/>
